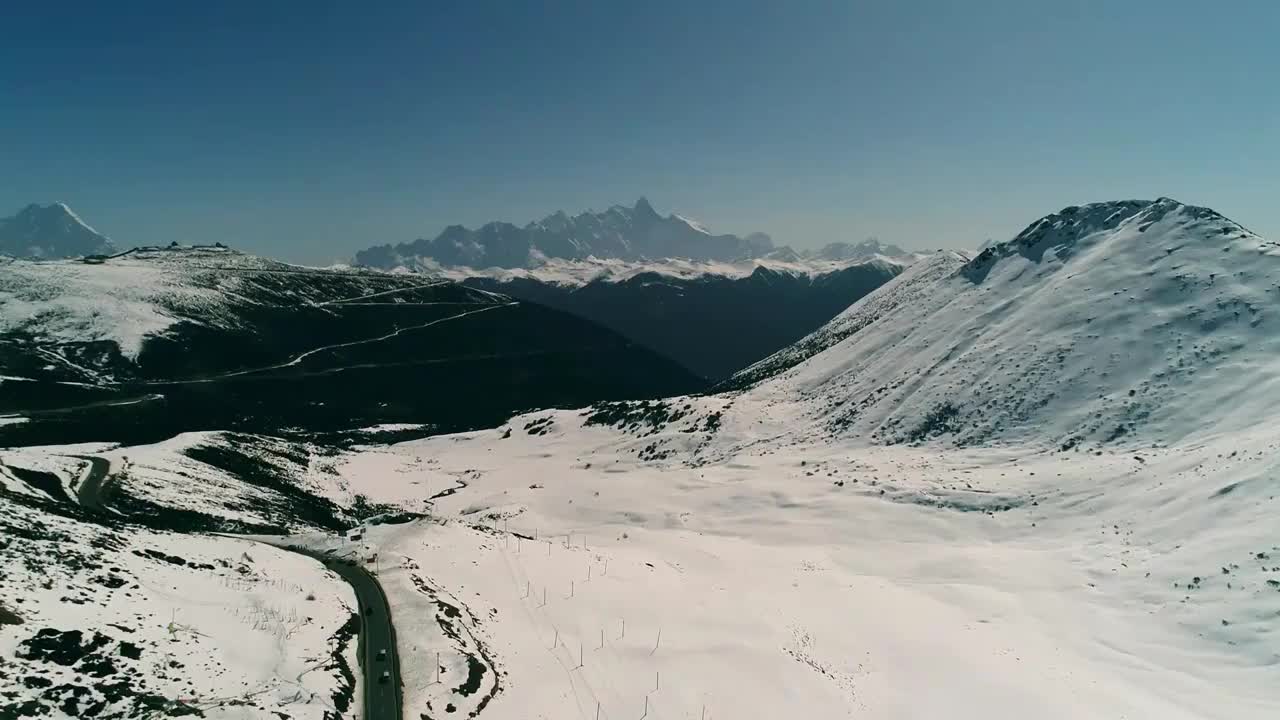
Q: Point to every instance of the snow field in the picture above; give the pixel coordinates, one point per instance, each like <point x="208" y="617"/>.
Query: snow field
<point x="233" y="628"/>
<point x="780" y="592"/>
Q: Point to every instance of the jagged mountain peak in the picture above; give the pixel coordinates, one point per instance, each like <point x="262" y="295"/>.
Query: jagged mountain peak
<point x="636" y="232"/>
<point x="50" y="232"/>
<point x="869" y="248"/>
<point x="643" y="208"/>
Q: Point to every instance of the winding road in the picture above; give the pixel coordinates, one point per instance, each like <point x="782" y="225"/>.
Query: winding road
<point x="382" y="700"/>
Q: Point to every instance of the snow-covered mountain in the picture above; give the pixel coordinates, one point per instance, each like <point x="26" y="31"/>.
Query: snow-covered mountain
<point x="627" y="233"/>
<point x="1137" y="322"/>
<point x="50" y="232"/>
<point x="814" y="542"/>
<point x="157" y="341"/>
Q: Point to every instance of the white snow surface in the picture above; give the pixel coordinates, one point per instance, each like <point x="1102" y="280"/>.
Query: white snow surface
<point x="76" y="218"/>
<point x="792" y="578"/>
<point x="121" y="300"/>
<point x="235" y="629"/>
<point x="576" y="273"/>
<point x="1143" y="322"/>
<point x="143" y="293"/>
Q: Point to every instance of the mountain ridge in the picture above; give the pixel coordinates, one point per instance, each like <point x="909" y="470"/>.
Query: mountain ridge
<point x="137" y="347"/>
<point x="713" y="318"/>
<point x="1085" y="328"/>
<point x="637" y="233"/>
<point x="52" y="231"/>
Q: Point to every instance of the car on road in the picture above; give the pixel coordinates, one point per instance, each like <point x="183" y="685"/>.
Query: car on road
<point x="368" y="609"/>
<point x="382" y="654"/>
<point x="385" y="677"/>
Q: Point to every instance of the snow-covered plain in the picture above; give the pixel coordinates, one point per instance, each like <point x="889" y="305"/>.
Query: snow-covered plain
<point x="830" y="580"/>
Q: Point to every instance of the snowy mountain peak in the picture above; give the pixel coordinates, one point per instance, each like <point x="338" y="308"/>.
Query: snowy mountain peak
<point x="49" y="232"/>
<point x="867" y="249"/>
<point x="644" y="209"/>
<point x="1139" y="321"/>
<point x="1078" y="227"/>
<point x="632" y="233"/>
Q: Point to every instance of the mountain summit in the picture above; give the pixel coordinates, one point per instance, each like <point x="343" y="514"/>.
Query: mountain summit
<point x="637" y="232"/>
<point x="865" y="250"/>
<point x="1139" y="321"/>
<point x="49" y="232"/>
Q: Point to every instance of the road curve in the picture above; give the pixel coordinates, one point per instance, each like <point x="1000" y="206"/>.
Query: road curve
<point x="382" y="700"/>
<point x="94" y="486"/>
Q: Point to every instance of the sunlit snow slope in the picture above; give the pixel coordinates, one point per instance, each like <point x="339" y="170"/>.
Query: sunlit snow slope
<point x="1143" y="322"/>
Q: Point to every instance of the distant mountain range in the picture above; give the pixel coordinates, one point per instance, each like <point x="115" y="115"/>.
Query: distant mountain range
<point x="50" y="232"/>
<point x="713" y="303"/>
<point x="636" y="233"/>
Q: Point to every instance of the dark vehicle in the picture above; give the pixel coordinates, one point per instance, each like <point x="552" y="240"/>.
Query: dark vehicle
<point x="382" y="654"/>
<point x="368" y="610"/>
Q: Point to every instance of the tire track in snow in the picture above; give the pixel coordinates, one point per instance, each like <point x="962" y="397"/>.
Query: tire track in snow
<point x="303" y="356"/>
<point x="380" y="293"/>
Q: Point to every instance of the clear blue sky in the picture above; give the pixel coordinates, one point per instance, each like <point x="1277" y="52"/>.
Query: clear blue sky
<point x="307" y="130"/>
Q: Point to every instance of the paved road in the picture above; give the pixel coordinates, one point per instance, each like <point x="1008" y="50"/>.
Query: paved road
<point x="94" y="487"/>
<point x="382" y="700"/>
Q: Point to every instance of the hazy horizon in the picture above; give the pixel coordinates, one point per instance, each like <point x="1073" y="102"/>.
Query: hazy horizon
<point x="310" y="131"/>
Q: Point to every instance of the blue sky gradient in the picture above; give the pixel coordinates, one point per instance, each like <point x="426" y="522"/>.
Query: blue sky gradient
<point x="308" y="130"/>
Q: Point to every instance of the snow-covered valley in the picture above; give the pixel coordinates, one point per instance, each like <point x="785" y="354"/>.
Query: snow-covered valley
<point x="1035" y="481"/>
<point x="831" y="580"/>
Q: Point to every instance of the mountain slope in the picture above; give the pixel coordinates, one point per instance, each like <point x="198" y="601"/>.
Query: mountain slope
<point x="158" y="342"/>
<point x="629" y="233"/>
<point x="913" y="287"/>
<point x="1142" y="321"/>
<point x="103" y="618"/>
<point x="50" y="232"/>
<point x="713" y="324"/>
